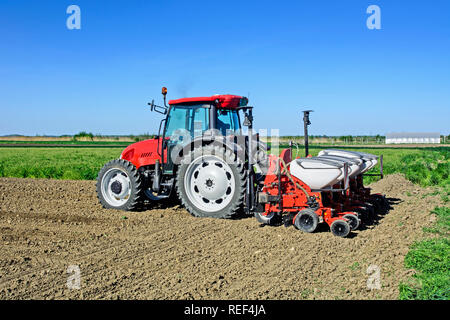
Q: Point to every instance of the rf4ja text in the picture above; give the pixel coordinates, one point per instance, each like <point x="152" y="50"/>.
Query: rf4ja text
<point x="236" y="309"/>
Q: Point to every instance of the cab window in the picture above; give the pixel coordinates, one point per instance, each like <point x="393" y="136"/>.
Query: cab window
<point x="228" y="122"/>
<point x="185" y="122"/>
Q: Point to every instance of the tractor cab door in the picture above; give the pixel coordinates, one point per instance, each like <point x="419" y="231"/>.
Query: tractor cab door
<point x="184" y="123"/>
<point x="228" y="122"/>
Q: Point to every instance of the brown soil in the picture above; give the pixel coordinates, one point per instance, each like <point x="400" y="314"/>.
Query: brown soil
<point x="164" y="253"/>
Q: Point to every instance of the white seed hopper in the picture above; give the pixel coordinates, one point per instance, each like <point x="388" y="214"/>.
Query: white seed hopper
<point x="354" y="164"/>
<point x="317" y="173"/>
<point x="369" y="160"/>
<point x="372" y="157"/>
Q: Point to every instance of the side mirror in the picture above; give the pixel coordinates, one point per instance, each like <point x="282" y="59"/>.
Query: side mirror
<point x="159" y="109"/>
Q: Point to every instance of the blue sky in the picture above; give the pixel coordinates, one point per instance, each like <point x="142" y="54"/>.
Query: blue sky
<point x="284" y="55"/>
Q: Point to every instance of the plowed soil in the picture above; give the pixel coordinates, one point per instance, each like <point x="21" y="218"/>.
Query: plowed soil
<point x="164" y="253"/>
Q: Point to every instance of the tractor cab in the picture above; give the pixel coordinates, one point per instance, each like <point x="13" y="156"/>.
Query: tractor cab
<point x="190" y="118"/>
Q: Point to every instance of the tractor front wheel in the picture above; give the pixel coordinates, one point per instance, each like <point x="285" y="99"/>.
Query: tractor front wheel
<point x="119" y="185"/>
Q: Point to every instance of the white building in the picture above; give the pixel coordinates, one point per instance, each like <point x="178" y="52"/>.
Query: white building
<point x="413" y="137"/>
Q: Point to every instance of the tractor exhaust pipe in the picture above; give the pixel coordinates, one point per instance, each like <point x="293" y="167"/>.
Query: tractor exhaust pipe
<point x="248" y="122"/>
<point x="157" y="177"/>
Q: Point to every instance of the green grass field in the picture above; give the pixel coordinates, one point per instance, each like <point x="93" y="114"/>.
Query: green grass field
<point x="431" y="259"/>
<point x="56" y="163"/>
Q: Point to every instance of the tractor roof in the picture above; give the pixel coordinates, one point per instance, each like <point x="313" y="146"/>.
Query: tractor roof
<point x="224" y="101"/>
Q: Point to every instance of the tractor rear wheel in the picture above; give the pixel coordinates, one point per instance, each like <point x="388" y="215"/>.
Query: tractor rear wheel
<point x="210" y="182"/>
<point x="119" y="185"/>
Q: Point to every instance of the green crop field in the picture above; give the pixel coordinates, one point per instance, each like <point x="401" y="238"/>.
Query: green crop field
<point x="56" y="163"/>
<point x="431" y="259"/>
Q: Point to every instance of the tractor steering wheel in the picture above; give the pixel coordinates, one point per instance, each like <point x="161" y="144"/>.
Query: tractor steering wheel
<point x="179" y="135"/>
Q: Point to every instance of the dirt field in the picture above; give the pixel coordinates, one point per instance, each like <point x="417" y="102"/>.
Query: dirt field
<point x="164" y="253"/>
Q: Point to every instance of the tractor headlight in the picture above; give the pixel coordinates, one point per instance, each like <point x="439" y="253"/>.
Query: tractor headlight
<point x="128" y="155"/>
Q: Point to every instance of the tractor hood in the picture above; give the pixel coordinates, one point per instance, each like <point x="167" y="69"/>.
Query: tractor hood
<point x="143" y="153"/>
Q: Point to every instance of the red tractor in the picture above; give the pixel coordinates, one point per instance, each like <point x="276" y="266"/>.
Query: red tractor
<point x="202" y="156"/>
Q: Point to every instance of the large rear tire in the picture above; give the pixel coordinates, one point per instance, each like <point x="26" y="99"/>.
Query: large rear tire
<point x="119" y="186"/>
<point x="211" y="182"/>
